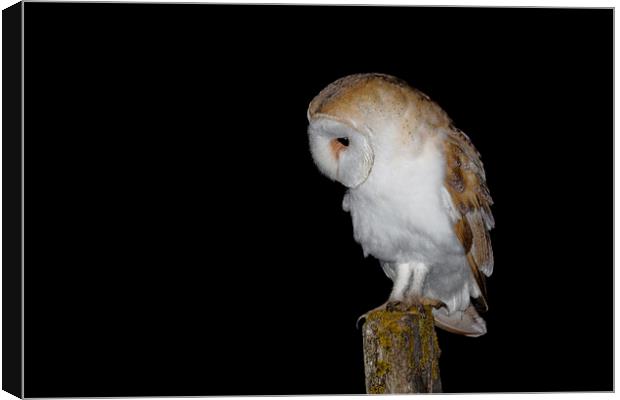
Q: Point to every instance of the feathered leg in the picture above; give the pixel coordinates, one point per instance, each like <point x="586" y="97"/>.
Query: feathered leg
<point x="407" y="291"/>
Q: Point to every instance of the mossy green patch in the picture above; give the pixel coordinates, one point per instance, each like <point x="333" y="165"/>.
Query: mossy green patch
<point x="395" y="335"/>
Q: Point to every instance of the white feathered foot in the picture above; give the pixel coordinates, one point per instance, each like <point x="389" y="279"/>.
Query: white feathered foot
<point x="412" y="306"/>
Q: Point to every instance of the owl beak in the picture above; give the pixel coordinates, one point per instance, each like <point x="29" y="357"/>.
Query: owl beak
<point x="338" y="145"/>
<point x="344" y="141"/>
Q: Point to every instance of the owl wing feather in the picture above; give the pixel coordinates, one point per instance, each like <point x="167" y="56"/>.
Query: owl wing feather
<point x="465" y="181"/>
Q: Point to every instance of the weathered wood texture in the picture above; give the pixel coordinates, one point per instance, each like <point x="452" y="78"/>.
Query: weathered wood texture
<point x="401" y="353"/>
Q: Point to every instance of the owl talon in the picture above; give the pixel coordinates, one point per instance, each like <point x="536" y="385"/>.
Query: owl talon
<point x="431" y="302"/>
<point x="438" y="304"/>
<point x="361" y="317"/>
<point x="365" y="315"/>
<point x="396" y="306"/>
<point x="389" y="306"/>
<point x="414" y="306"/>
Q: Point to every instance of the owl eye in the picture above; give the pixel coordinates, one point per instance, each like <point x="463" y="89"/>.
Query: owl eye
<point x="343" y="141"/>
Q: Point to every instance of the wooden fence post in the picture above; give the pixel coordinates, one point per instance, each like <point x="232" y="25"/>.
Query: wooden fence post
<point x="401" y="353"/>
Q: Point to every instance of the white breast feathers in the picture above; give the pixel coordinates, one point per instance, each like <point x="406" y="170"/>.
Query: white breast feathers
<point x="399" y="213"/>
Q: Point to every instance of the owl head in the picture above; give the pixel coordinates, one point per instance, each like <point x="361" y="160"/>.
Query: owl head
<point x="359" y="117"/>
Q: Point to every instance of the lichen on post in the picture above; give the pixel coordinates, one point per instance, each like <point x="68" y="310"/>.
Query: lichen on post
<point x="401" y="352"/>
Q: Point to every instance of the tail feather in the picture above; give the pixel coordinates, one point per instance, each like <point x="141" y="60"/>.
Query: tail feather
<point x="468" y="322"/>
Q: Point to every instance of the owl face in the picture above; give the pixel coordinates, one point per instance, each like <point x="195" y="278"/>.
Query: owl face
<point x="363" y="120"/>
<point x="341" y="152"/>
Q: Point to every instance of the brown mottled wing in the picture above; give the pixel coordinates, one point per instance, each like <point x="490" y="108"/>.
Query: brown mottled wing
<point x="466" y="183"/>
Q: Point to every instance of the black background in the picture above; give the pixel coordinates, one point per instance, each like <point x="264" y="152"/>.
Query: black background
<point x="180" y="241"/>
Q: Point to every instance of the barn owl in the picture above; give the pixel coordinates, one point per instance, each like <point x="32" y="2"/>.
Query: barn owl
<point x="416" y="192"/>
